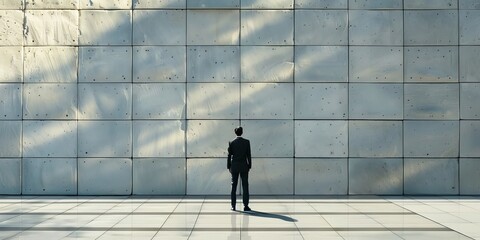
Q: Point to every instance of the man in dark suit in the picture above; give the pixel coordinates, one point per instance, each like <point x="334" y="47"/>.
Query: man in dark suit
<point x="239" y="162"/>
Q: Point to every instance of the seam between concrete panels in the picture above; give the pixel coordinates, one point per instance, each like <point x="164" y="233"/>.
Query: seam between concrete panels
<point x="293" y="100"/>
<point x="185" y="133"/>
<point x="403" y="96"/>
<point x="21" y="97"/>
<point x="459" y="98"/>
<point x="131" y="101"/>
<point x="78" y="94"/>
<point x="348" y="98"/>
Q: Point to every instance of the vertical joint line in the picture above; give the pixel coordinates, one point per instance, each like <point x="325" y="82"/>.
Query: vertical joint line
<point x="185" y="134"/>
<point x="459" y="96"/>
<point x="240" y="65"/>
<point x="293" y="100"/>
<point x="78" y="91"/>
<point x="131" y="91"/>
<point x="22" y="101"/>
<point x="403" y="97"/>
<point x="348" y="98"/>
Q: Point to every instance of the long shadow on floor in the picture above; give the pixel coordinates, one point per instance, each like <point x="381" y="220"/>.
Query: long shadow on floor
<point x="269" y="215"/>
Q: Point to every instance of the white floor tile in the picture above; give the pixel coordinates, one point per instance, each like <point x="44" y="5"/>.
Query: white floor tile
<point x="367" y="235"/>
<point x="207" y="235"/>
<point x="277" y="235"/>
<point x="429" y="235"/>
<point x="137" y="235"/>
<point x="172" y="235"/>
<point x="324" y="235"/>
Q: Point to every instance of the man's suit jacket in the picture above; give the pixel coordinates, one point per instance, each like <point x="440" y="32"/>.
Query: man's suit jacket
<point x="239" y="155"/>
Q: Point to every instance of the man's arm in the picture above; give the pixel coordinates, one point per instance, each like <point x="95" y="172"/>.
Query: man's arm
<point x="229" y="158"/>
<point x="249" y="156"/>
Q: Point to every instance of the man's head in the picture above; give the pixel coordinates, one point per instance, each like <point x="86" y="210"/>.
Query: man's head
<point x="239" y="131"/>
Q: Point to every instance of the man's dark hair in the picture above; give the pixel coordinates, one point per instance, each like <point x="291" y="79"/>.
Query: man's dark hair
<point x="239" y="131"/>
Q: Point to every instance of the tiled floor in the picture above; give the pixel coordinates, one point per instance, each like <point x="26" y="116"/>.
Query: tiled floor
<point x="210" y="218"/>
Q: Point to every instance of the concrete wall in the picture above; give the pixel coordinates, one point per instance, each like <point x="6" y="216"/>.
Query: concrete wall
<point x="124" y="97"/>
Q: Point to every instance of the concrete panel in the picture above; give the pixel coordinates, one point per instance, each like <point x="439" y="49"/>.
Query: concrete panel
<point x="431" y="64"/>
<point x="375" y="101"/>
<point x="156" y="4"/>
<point x="469" y="99"/>
<point x="208" y="176"/>
<point x="321" y="138"/>
<point x="321" y="64"/>
<point x="213" y="4"/>
<point x="51" y="4"/>
<point x="271" y="176"/>
<point x="327" y="4"/>
<point x="269" y="138"/>
<point x="213" y="27"/>
<point x="159" y="138"/>
<point x="49" y="101"/>
<point x="431" y="101"/>
<point x="321" y="101"/>
<point x="105" y="64"/>
<point x="376" y="4"/>
<point x="428" y="4"/>
<point x="10" y="101"/>
<point x="213" y="100"/>
<point x="111" y="4"/>
<point x="376" y="27"/>
<point x="430" y="27"/>
<point x="324" y="176"/>
<point x="267" y="101"/>
<point x="270" y="4"/>
<point x="98" y="27"/>
<point x="209" y="138"/>
<point x="376" y="64"/>
<point x="213" y="64"/>
<point x="49" y="139"/>
<point x="11" y="139"/>
<point x="469" y="177"/>
<point x="11" y="64"/>
<point x="267" y="27"/>
<point x="50" y="64"/>
<point x="431" y="138"/>
<point x="104" y="176"/>
<point x="469" y="62"/>
<point x="104" y="139"/>
<point x="431" y="176"/>
<point x="51" y="27"/>
<point x="159" y="27"/>
<point x="324" y="27"/>
<point x="469" y="31"/>
<point x="10" y="176"/>
<point x="380" y="176"/>
<point x="468" y="4"/>
<point x="146" y="104"/>
<point x="267" y="64"/>
<point x="11" y="27"/>
<point x="105" y="101"/>
<point x="8" y="4"/>
<point x="57" y="176"/>
<point x="162" y="176"/>
<point x="469" y="138"/>
<point x="159" y="64"/>
<point x="375" y="139"/>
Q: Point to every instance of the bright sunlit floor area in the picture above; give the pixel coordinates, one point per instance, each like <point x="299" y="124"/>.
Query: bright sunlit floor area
<point x="207" y="217"/>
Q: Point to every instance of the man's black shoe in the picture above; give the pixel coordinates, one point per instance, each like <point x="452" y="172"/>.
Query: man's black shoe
<point x="232" y="208"/>
<point x="246" y="208"/>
